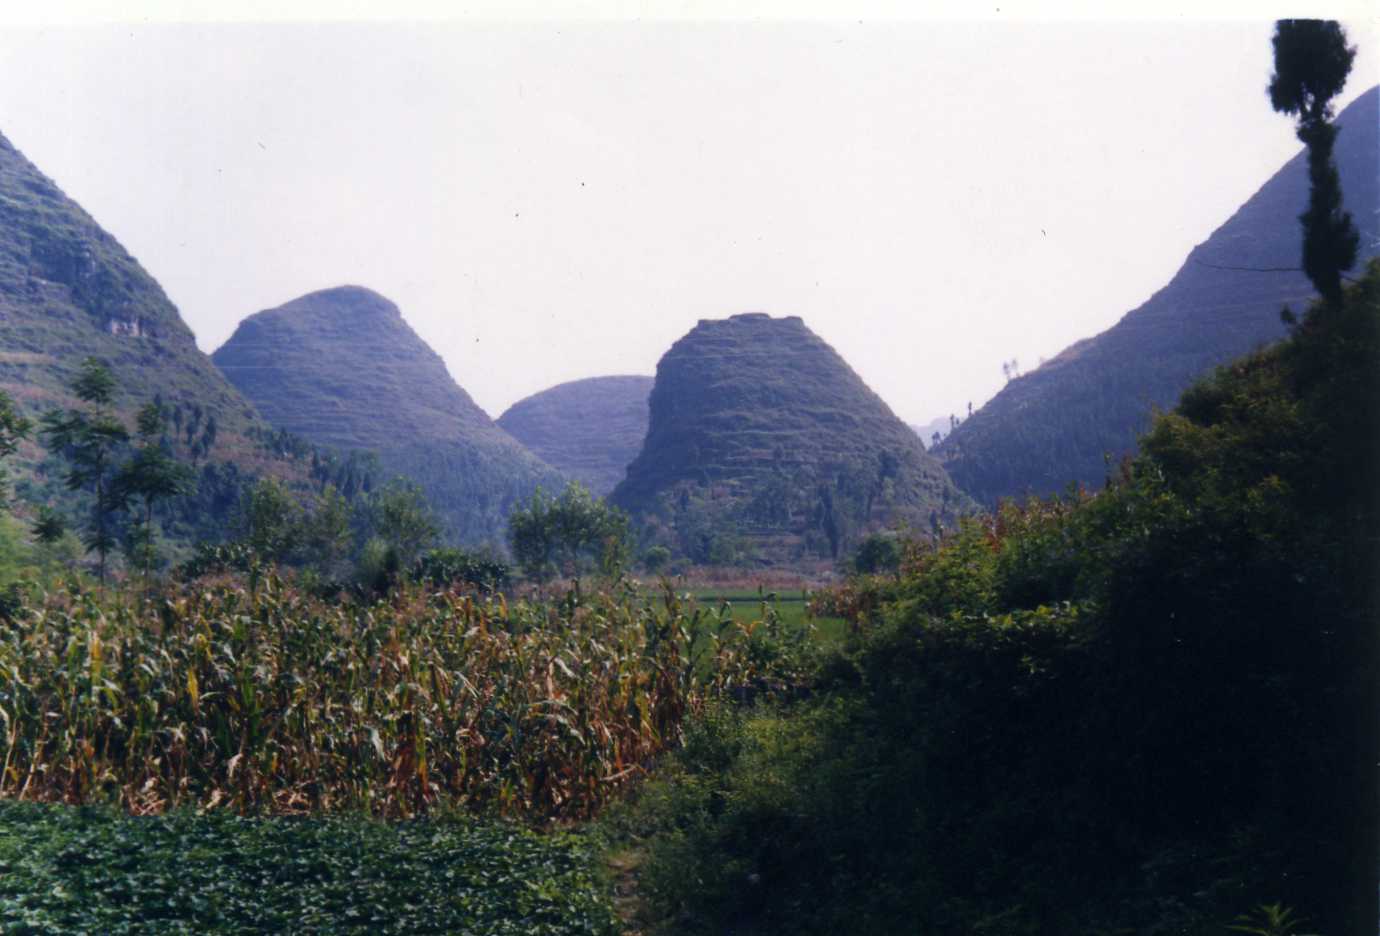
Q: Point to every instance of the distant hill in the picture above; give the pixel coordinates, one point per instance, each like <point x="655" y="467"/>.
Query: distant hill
<point x="1053" y="425"/>
<point x="764" y="444"/>
<point x="927" y="431"/>
<point x="341" y="368"/>
<point x="589" y="429"/>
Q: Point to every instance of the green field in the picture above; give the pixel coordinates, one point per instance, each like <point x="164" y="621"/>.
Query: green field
<point x="790" y="607"/>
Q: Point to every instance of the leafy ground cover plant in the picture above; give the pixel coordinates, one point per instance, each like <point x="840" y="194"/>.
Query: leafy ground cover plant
<point x="92" y="870"/>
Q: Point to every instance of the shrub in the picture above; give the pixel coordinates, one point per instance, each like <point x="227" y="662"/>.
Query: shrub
<point x="656" y="558"/>
<point x="443" y="568"/>
<point x="877" y="553"/>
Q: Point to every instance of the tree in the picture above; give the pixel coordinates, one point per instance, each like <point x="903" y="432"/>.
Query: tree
<point x="14" y="428"/>
<point x="150" y="476"/>
<point x="656" y="558"/>
<point x="1312" y="61"/>
<point x="401" y="517"/>
<point x="49" y="527"/>
<point x="269" y="521"/>
<point x="326" y="533"/>
<point x="571" y="533"/>
<point x="89" y="439"/>
<point x="877" y="553"/>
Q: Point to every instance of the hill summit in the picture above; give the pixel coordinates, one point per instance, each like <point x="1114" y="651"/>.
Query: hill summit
<point x="340" y="367"/>
<point x="1065" y="420"/>
<point x="589" y="429"/>
<point x="763" y="442"/>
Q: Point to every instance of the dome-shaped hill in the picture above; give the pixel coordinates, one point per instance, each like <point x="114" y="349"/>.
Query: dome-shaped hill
<point x="341" y="368"/>
<point x="589" y="429"/>
<point x="1061" y="422"/>
<point x="762" y="434"/>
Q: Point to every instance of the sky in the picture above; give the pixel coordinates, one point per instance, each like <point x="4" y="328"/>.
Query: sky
<point x="557" y="191"/>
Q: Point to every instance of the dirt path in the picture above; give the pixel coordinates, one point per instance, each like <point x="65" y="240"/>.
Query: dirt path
<point x="627" y="902"/>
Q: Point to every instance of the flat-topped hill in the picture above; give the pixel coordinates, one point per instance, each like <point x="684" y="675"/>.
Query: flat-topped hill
<point x="341" y="368"/>
<point x="1061" y="422"/>
<point x="760" y="430"/>
<point x="588" y="429"/>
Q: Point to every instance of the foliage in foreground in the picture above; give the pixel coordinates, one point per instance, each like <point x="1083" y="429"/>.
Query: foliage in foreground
<point x="1142" y="711"/>
<point x="259" y="697"/>
<point x="91" y="870"/>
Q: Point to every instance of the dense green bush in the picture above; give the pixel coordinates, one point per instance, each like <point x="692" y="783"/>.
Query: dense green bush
<point x="445" y="567"/>
<point x="877" y="553"/>
<point x="656" y="558"/>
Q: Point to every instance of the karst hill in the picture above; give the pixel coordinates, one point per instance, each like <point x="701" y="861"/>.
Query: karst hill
<point x="588" y="429"/>
<point x="763" y="441"/>
<point x="340" y="367"/>
<point x="1084" y="408"/>
<point x="69" y="291"/>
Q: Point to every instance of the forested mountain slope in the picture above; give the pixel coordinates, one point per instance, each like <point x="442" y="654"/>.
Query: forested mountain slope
<point x="341" y="368"/>
<point x="589" y="429"/>
<point x="69" y="291"/>
<point x="1056" y="424"/>
<point x="760" y="430"/>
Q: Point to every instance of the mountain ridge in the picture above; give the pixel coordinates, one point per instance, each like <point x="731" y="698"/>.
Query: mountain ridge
<point x="1065" y="421"/>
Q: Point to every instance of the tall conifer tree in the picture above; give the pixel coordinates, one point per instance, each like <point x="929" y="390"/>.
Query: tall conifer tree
<point x="1312" y="61"/>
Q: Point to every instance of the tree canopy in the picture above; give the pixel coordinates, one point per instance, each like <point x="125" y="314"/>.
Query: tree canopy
<point x="569" y="534"/>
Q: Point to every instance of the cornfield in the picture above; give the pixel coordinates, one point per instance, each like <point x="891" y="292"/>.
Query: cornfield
<point x="258" y="698"/>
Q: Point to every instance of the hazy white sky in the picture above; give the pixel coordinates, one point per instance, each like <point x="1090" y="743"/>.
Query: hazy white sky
<point x="548" y="199"/>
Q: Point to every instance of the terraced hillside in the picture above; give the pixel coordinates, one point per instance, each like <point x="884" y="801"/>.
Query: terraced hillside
<point x="341" y="368"/>
<point x="763" y="443"/>
<point x="1084" y="408"/>
<point x="69" y="291"/>
<point x="589" y="429"/>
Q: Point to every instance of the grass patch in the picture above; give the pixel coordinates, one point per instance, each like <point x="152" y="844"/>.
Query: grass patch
<point x="93" y="870"/>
